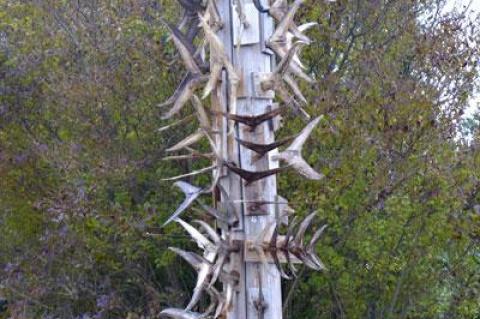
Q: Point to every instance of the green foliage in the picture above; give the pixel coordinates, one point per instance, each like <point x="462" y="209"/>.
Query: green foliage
<point x="80" y="162"/>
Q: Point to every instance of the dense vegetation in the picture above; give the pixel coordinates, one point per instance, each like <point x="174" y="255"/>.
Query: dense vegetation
<point x="80" y="161"/>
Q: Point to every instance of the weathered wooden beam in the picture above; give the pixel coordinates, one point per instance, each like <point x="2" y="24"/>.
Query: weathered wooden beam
<point x="251" y="58"/>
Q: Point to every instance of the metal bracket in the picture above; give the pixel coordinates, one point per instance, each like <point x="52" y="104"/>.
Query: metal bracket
<point x="256" y="209"/>
<point x="258" y="92"/>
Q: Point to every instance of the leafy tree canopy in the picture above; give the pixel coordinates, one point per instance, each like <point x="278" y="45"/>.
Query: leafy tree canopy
<point x="80" y="161"/>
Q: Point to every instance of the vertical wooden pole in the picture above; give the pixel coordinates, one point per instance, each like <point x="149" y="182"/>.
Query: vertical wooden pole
<point x="250" y="59"/>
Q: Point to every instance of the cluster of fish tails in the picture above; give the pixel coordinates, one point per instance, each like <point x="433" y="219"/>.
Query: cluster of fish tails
<point x="202" y="20"/>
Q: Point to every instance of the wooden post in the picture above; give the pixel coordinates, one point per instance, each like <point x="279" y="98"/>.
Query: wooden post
<point x="258" y="282"/>
<point x="244" y="183"/>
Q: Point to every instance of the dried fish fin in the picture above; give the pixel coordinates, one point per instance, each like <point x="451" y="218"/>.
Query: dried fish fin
<point x="192" y="28"/>
<point x="295" y="88"/>
<point x="291" y="101"/>
<point x="193" y="155"/>
<point x="197" y="294"/>
<point x="311" y="248"/>
<point x="214" y="14"/>
<point x="179" y="157"/>
<point x="192" y="259"/>
<point x="253" y="121"/>
<point x="191" y="5"/>
<point x="216" y="178"/>
<point x="279" y="9"/>
<point x="250" y="176"/>
<point x="200" y="239"/>
<point x="284" y="65"/>
<point x="189" y="140"/>
<point x="262" y="149"/>
<point x="176" y="123"/>
<point x="219" y="59"/>
<point x="287" y="21"/>
<point x="288" y="59"/>
<point x="281" y="73"/>
<point x="286" y="245"/>
<point x="197" y="172"/>
<point x="191" y="194"/>
<point x="229" y="293"/>
<point x="176" y="313"/>
<point x="202" y="113"/>
<point x="216" y="214"/>
<point x="302" y="167"/>
<point x="177" y="93"/>
<point x="184" y="47"/>
<point x="217" y="269"/>
<point x="298" y="33"/>
<point x="209" y="230"/>
<point x="183" y="22"/>
<point x="306" y="26"/>
<point x="298" y="241"/>
<point x="186" y="92"/>
<point x="217" y="302"/>
<point x="306" y="261"/>
<point x="274" y="254"/>
<point x="293" y="154"/>
<point x="304" y="134"/>
<point x="214" y="79"/>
